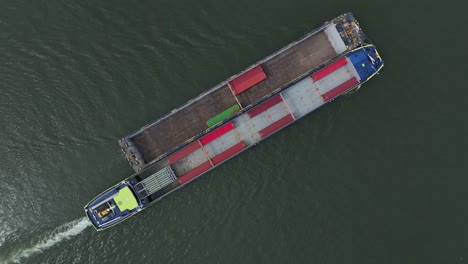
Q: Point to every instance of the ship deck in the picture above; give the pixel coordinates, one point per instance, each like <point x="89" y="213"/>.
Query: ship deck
<point x="289" y="66"/>
<point x="183" y="124"/>
<point x="275" y="72"/>
<point x="264" y="119"/>
<point x="191" y="120"/>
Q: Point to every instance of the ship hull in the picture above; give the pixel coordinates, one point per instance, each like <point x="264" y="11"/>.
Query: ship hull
<point x="233" y="133"/>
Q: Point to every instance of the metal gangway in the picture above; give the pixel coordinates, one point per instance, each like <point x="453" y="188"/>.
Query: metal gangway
<point x="155" y="182"/>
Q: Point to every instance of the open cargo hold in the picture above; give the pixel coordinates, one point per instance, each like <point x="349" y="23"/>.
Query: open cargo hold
<point x="245" y="90"/>
<point x="172" y="131"/>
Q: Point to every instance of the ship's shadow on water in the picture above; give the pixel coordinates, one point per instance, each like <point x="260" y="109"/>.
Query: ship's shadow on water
<point x="61" y="233"/>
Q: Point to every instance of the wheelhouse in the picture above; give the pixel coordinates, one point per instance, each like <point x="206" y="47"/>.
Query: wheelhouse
<point x="113" y="206"/>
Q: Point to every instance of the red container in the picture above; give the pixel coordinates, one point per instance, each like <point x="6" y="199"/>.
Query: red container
<point x="247" y="80"/>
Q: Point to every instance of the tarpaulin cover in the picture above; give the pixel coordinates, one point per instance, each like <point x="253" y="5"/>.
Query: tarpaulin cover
<point x="228" y="153"/>
<point x="339" y="89"/>
<point x="217" y="133"/>
<point x="195" y="172"/>
<point x="276" y="126"/>
<point x="183" y="152"/>
<point x="264" y="106"/>
<point x="329" y="69"/>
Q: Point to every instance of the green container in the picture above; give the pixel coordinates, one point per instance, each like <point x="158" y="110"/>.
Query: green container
<point x="223" y="115"/>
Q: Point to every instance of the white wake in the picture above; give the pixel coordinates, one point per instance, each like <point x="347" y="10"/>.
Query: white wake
<point x="61" y="233"/>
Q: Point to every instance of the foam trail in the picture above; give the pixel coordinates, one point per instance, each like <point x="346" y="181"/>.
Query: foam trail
<point x="61" y="233"/>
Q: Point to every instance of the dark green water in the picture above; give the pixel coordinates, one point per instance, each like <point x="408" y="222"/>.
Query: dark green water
<point x="377" y="177"/>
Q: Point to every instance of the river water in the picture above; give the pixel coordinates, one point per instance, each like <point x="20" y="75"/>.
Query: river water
<point x="376" y="177"/>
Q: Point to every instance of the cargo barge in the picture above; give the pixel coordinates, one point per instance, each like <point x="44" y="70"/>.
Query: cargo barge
<point x="237" y="114"/>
